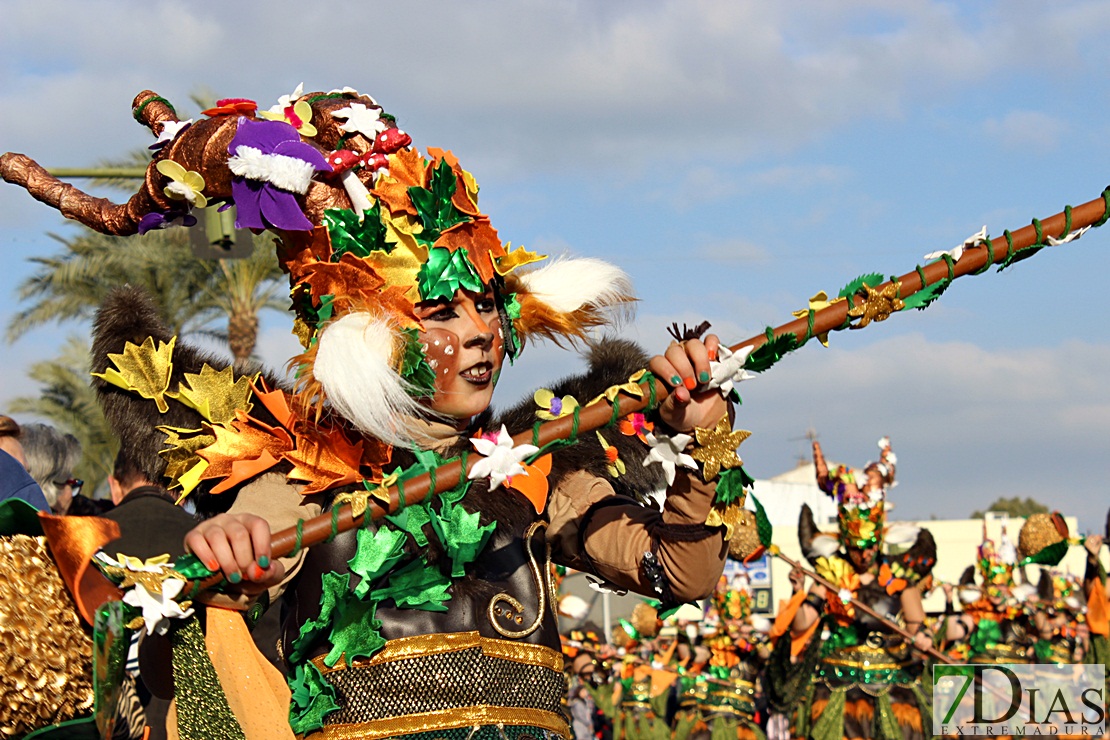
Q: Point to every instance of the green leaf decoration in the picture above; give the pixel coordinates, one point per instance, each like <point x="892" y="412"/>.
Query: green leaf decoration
<point x="771" y="352"/>
<point x="871" y="279"/>
<point x="731" y="486"/>
<point x="414" y="366"/>
<point x="434" y="207"/>
<point x="377" y="552"/>
<point x="335" y="589"/>
<point x="455" y="495"/>
<point x="349" y="233"/>
<point x="1043" y="651"/>
<point x="313" y="698"/>
<point x="445" y="272"/>
<point x="354" y="634"/>
<point x="412" y="519"/>
<point x="191" y="567"/>
<point x="462" y="536"/>
<point x="924" y="297"/>
<point x="416" y="586"/>
<point x="510" y="306"/>
<point x="1051" y="555"/>
<point x="762" y="523"/>
<point x="1019" y="255"/>
<point x="986" y="634"/>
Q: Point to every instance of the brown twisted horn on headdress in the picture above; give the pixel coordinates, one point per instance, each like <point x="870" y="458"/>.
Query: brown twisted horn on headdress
<point x="201" y="148"/>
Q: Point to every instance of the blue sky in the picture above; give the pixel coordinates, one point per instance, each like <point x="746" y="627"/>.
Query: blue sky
<point x="735" y="157"/>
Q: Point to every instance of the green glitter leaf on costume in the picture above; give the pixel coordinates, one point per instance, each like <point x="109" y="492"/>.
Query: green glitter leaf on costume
<point x="313" y="698"/>
<point x="335" y="590"/>
<point x="354" y="634"/>
<point x="446" y="272"/>
<point x="1051" y="555"/>
<point x="412" y="519"/>
<point x="348" y="233"/>
<point x="511" y="307"/>
<point x="414" y="366"/>
<point x="377" y="552"/>
<point x="987" y="634"/>
<point x="434" y="207"/>
<point x="191" y="567"/>
<point x="762" y="523"/>
<point x="731" y="486"/>
<point x="462" y="536"/>
<point x="871" y="279"/>
<point x="771" y="352"/>
<point x="456" y="494"/>
<point x="416" y="586"/>
<point x="923" y="298"/>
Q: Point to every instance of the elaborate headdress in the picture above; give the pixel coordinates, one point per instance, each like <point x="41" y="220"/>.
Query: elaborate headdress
<point x="733" y="599"/>
<point x="367" y="227"/>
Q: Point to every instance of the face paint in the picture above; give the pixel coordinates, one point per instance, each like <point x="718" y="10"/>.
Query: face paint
<point x="465" y="349"/>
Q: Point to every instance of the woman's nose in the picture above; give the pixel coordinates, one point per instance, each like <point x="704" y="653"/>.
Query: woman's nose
<point x="478" y="332"/>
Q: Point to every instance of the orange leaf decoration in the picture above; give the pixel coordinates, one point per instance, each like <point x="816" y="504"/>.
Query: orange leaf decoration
<point x="325" y="461"/>
<point x="409" y="168"/>
<point x="886" y="579"/>
<point x="276" y="402"/>
<point x="395" y="196"/>
<point x="534" y="486"/>
<point x="376" y="454"/>
<point x="345" y="279"/>
<point x="394" y="301"/>
<point x="447" y="156"/>
<point x="481" y="242"/>
<point x="232" y="106"/>
<point x="297" y="251"/>
<point x="244" y="451"/>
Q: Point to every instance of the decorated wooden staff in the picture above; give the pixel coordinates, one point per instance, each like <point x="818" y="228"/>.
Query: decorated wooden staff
<point x="863" y="301"/>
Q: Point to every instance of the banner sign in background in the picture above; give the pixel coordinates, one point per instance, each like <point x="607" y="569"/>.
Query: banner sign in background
<point x="1019" y="700"/>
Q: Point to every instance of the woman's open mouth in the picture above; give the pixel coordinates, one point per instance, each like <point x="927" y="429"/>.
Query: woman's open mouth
<point x="479" y="374"/>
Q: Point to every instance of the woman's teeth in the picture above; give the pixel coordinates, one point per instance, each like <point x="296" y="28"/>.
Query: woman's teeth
<point x="479" y="372"/>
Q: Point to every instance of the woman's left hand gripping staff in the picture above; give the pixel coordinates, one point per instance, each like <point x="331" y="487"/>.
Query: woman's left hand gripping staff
<point x="239" y="546"/>
<point x="684" y="367"/>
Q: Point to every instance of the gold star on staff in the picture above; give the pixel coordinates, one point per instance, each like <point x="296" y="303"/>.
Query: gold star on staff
<point x="717" y="447"/>
<point x="877" y="305"/>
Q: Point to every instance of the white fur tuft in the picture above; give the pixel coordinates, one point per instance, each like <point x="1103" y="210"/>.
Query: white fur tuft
<point x="354" y="367"/>
<point x="825" y="545"/>
<point x="568" y="284"/>
<point x="287" y="173"/>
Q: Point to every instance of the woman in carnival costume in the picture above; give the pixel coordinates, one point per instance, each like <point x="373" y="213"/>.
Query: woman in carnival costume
<point x="857" y="678"/>
<point x="438" y="621"/>
<point x="729" y="682"/>
<point x="996" y="621"/>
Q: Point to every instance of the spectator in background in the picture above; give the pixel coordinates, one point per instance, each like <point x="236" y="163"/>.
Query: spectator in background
<point x="51" y="457"/>
<point x="15" y="481"/>
<point x="149" y="525"/>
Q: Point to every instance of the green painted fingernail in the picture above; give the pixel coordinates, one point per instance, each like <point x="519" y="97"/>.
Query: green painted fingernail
<point x="675" y="380"/>
<point x="235" y="578"/>
<point x="703" y="377"/>
<point x="263" y="562"/>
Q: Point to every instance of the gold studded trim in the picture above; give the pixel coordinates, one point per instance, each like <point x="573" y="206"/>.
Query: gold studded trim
<point x="421" y="645"/>
<point x="448" y="719"/>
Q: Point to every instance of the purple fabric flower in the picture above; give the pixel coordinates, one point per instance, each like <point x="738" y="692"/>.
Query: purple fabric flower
<point x="272" y="166"/>
<point x="155" y="221"/>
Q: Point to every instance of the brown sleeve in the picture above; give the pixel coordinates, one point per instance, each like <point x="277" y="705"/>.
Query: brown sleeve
<point x="280" y="503"/>
<point x="594" y="529"/>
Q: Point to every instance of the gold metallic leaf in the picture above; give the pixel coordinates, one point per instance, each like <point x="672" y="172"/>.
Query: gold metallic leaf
<point x="143" y="370"/>
<point x="216" y="394"/>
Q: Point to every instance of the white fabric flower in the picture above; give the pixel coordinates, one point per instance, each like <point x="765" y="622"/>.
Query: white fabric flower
<point x="668" y="452"/>
<point x="360" y="120"/>
<point x="728" y="369"/>
<point x="1054" y="242"/>
<point x="845" y="595"/>
<point x="501" y="460"/>
<point x="287" y="101"/>
<point x="958" y="251"/>
<point x="158" y="609"/>
<point x="170" y="130"/>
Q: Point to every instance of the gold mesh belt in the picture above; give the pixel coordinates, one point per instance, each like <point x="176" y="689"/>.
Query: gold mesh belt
<point x="441" y="681"/>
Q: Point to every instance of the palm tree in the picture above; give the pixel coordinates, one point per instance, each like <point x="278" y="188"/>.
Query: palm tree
<point x="69" y="402"/>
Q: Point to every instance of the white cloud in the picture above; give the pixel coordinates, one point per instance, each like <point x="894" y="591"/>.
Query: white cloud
<point x="1027" y="128"/>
